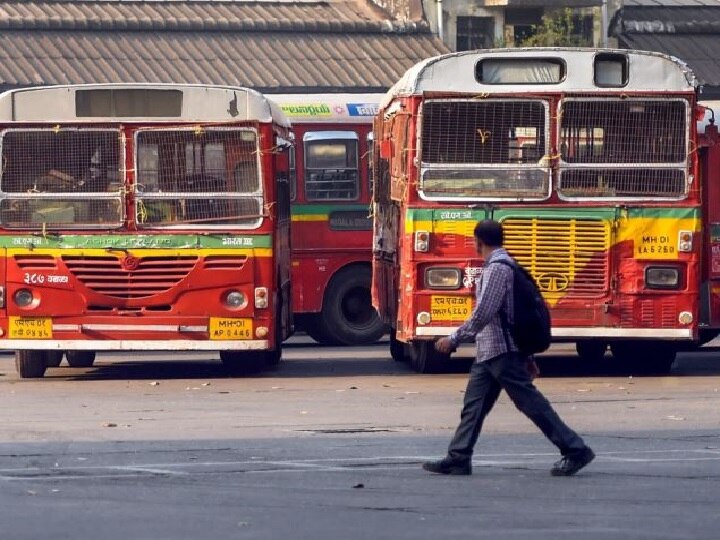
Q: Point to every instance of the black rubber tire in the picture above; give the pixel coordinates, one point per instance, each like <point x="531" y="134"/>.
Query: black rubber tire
<point x="30" y="364"/>
<point x="591" y="350"/>
<point x="80" y="359"/>
<point x="313" y="327"/>
<point x="398" y="349"/>
<point x="347" y="317"/>
<point x="644" y="358"/>
<point x="53" y="358"/>
<point x="425" y="359"/>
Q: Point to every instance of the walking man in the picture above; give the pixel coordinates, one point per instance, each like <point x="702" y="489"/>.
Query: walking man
<point x="500" y="365"/>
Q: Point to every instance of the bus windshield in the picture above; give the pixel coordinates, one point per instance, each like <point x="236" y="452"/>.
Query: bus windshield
<point x="489" y="149"/>
<point x="198" y="178"/>
<point x="68" y="178"/>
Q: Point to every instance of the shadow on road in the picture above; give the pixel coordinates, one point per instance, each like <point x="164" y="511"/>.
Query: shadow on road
<point x="346" y="362"/>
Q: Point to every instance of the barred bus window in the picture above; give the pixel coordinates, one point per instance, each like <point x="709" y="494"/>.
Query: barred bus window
<point x="494" y="148"/>
<point x="65" y="177"/>
<point x="647" y="136"/>
<point x="203" y="177"/>
<point x="331" y="166"/>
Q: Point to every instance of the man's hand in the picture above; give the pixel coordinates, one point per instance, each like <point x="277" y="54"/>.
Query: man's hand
<point x="533" y="368"/>
<point x="444" y="345"/>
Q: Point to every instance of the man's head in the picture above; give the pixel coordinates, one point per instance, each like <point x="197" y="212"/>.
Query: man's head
<point x="488" y="237"/>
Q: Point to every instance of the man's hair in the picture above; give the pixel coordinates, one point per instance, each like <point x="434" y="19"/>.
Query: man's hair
<point x="489" y="232"/>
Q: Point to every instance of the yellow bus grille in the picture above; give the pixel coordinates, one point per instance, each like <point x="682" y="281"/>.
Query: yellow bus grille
<point x="565" y="256"/>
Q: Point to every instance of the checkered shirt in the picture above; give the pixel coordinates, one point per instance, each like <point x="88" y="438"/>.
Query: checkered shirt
<point x="494" y="296"/>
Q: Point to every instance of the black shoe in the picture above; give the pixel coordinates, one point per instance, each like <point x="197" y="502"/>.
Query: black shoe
<point x="448" y="466"/>
<point x="569" y="465"/>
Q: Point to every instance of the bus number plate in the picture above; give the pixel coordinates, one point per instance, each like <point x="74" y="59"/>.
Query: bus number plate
<point x="30" y="328"/>
<point x="450" y="308"/>
<point x="222" y="328"/>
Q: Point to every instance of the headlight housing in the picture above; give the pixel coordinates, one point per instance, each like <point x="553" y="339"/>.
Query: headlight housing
<point x="443" y="278"/>
<point x="235" y="300"/>
<point x="23" y="297"/>
<point x="662" y="277"/>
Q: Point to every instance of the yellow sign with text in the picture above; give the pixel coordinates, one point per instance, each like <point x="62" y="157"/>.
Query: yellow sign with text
<point x="450" y="308"/>
<point x="30" y="328"/>
<point x="223" y="328"/>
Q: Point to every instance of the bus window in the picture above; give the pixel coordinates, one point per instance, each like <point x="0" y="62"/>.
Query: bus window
<point x="292" y="173"/>
<point x="65" y="177"/>
<point x="175" y="166"/>
<point x="331" y="165"/>
<point x="369" y="161"/>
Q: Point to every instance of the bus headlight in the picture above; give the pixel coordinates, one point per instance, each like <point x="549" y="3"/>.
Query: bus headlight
<point x="685" y="317"/>
<point x="442" y="278"/>
<point x="662" y="277"/>
<point x="235" y="300"/>
<point x="23" y="297"/>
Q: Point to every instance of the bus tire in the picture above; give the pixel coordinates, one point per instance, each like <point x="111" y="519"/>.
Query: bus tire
<point x="644" y="358"/>
<point x="425" y="359"/>
<point x="348" y="317"/>
<point x="80" y="359"/>
<point x="398" y="349"/>
<point x="30" y="364"/>
<point x="53" y="358"/>
<point x="591" y="350"/>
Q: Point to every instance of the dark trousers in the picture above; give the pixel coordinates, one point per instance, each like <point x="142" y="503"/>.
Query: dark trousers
<point x="508" y="372"/>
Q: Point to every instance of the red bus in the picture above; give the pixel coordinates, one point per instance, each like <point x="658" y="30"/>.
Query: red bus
<point x="143" y="217"/>
<point x="331" y="224"/>
<point x="588" y="158"/>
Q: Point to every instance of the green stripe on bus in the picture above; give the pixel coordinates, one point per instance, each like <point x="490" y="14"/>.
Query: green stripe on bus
<point x="137" y="241"/>
<point x="325" y="209"/>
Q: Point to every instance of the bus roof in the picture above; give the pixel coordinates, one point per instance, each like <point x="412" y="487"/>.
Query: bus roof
<point x="131" y="102"/>
<point x="329" y="108"/>
<point x="461" y="72"/>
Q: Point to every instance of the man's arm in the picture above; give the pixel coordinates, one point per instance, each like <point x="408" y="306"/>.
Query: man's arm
<point x="489" y="302"/>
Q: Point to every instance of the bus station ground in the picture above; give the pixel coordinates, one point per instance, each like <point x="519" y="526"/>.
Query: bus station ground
<point x="166" y="446"/>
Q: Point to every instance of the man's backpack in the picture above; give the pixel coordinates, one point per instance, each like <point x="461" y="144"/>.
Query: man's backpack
<point x="531" y="326"/>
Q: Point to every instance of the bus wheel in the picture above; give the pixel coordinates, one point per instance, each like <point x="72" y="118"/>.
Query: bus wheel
<point x="53" y="358"/>
<point x="591" y="350"/>
<point x="80" y="358"/>
<point x="30" y="364"/>
<point x="348" y="317"/>
<point x="398" y="349"/>
<point x="425" y="359"/>
<point x="645" y="358"/>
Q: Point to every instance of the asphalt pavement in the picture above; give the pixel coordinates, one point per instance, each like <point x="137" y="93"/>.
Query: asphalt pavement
<point x="330" y="445"/>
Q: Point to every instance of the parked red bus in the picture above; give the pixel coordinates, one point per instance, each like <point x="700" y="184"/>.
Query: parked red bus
<point x="143" y="217"/>
<point x="588" y="158"/>
<point x="331" y="224"/>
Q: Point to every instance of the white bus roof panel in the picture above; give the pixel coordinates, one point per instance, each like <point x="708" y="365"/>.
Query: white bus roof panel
<point x="456" y="73"/>
<point x="199" y="103"/>
<point x="329" y="108"/>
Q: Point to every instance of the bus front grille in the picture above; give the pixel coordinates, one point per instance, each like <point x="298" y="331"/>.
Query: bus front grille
<point x="129" y="277"/>
<point x="567" y="257"/>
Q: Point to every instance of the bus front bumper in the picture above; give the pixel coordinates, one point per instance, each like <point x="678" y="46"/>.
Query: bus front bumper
<point x="578" y="333"/>
<point x="134" y="345"/>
